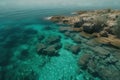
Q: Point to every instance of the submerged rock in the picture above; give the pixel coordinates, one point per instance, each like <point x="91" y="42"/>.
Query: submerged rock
<point x="84" y="59"/>
<point x="52" y="39"/>
<point x="109" y="74"/>
<point x="76" y="38"/>
<point x="102" y="67"/>
<point x="40" y="47"/>
<point x="50" y="51"/>
<point x="50" y="46"/>
<point x="75" y="49"/>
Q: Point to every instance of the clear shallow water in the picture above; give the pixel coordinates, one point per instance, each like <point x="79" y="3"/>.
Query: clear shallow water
<point x="19" y="33"/>
<point x="19" y="36"/>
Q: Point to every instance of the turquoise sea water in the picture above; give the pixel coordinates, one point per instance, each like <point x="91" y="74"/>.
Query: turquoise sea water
<point x="19" y="36"/>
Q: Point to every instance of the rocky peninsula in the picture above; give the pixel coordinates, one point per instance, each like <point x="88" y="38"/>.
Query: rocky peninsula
<point x="97" y="33"/>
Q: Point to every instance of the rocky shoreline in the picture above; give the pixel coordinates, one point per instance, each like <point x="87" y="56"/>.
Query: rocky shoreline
<point x="97" y="34"/>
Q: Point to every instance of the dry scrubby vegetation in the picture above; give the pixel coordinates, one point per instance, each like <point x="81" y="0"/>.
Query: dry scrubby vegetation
<point x="100" y="22"/>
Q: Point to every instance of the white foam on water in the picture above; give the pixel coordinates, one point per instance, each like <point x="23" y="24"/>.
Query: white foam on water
<point x="48" y="18"/>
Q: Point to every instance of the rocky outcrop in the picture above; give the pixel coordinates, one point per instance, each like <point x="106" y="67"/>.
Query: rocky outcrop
<point x="95" y="31"/>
